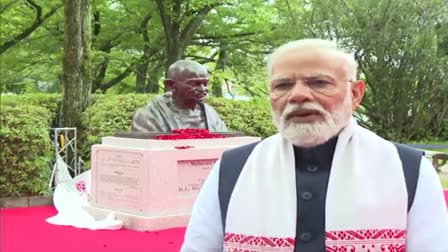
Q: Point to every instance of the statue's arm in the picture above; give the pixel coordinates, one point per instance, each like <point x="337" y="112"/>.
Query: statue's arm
<point x="142" y="121"/>
<point x="218" y="125"/>
<point x="221" y="125"/>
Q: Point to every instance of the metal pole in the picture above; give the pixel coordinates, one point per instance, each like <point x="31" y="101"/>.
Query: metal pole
<point x="69" y="149"/>
<point x="75" y="156"/>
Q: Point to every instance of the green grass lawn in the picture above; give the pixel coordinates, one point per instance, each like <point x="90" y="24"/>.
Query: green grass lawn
<point x="438" y="150"/>
<point x="443" y="150"/>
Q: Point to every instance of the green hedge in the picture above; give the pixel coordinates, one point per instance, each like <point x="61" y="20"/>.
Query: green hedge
<point x="52" y="102"/>
<point x="25" y="119"/>
<point x="48" y="101"/>
<point x="25" y="150"/>
<point x="109" y="114"/>
<point x="250" y="117"/>
<point x="113" y="113"/>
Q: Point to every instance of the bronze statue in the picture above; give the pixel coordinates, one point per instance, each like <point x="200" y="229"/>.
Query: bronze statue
<point x="183" y="105"/>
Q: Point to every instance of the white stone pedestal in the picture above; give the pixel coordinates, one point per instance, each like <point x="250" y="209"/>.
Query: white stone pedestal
<point x="150" y="184"/>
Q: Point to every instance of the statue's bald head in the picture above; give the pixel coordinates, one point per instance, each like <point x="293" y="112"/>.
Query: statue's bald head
<point x="187" y="80"/>
<point x="184" y="69"/>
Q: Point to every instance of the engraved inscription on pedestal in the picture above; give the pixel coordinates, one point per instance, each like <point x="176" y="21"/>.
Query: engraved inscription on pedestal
<point x="120" y="179"/>
<point x="191" y="174"/>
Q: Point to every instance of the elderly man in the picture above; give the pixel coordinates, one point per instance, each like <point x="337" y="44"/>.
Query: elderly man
<point x="183" y="106"/>
<point x="323" y="183"/>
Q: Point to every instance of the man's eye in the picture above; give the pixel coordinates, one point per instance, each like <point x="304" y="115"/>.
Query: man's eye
<point x="283" y="85"/>
<point x="318" y="82"/>
<point x="198" y="83"/>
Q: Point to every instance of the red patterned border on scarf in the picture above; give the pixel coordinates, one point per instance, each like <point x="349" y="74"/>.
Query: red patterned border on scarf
<point x="366" y="240"/>
<point x="251" y="243"/>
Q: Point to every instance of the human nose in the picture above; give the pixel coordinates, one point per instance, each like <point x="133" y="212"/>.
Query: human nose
<point x="202" y="88"/>
<point x="300" y="93"/>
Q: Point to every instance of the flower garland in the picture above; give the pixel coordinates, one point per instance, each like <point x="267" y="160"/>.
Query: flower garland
<point x="179" y="134"/>
<point x="81" y="186"/>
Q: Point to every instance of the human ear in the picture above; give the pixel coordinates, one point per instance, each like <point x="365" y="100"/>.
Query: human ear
<point x="169" y="84"/>
<point x="358" y="89"/>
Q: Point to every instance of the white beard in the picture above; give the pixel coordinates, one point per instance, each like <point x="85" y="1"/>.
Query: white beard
<point x="316" y="133"/>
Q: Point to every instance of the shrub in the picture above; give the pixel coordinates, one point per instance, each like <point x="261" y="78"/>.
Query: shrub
<point x="25" y="147"/>
<point x="52" y="102"/>
<point x="25" y="150"/>
<point x="113" y="113"/>
<point x="48" y="101"/>
<point x="110" y="114"/>
<point x="445" y="131"/>
<point x="250" y="117"/>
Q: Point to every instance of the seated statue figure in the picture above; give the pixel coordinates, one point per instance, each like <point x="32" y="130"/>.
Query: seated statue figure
<point x="183" y="105"/>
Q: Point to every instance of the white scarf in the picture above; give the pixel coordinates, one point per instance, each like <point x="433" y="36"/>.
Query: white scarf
<point x="366" y="202"/>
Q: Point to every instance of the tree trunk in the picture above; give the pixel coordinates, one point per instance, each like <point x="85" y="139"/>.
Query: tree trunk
<point x="102" y="69"/>
<point x="179" y="27"/>
<point x="140" y="80"/>
<point x="86" y="19"/>
<point x="175" y="53"/>
<point x="153" y="82"/>
<point x="220" y="65"/>
<point x="76" y="65"/>
<point x="101" y="74"/>
<point x="142" y="68"/>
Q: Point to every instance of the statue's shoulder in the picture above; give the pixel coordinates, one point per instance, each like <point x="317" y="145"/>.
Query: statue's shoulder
<point x="209" y="108"/>
<point x="159" y="100"/>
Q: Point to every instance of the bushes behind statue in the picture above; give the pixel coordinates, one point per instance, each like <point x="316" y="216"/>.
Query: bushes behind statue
<point x="25" y="149"/>
<point x="113" y="113"/>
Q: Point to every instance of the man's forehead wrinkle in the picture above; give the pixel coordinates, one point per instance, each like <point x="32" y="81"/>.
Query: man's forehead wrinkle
<point x="282" y="76"/>
<point x="308" y="54"/>
<point x="293" y="76"/>
<point x="276" y="80"/>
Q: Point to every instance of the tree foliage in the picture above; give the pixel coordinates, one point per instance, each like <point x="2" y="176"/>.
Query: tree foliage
<point x="400" y="47"/>
<point x="31" y="44"/>
<point x="134" y="41"/>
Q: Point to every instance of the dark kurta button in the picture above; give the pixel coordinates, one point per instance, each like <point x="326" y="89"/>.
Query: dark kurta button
<point x="305" y="236"/>
<point x="306" y="195"/>
<point x="312" y="168"/>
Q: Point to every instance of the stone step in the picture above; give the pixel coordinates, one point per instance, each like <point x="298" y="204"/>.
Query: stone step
<point x="28" y="201"/>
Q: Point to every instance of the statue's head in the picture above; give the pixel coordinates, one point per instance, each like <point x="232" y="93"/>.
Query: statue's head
<point x="188" y="80"/>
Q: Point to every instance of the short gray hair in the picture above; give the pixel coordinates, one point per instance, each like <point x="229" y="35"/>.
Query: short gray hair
<point x="312" y="43"/>
<point x="185" y="65"/>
